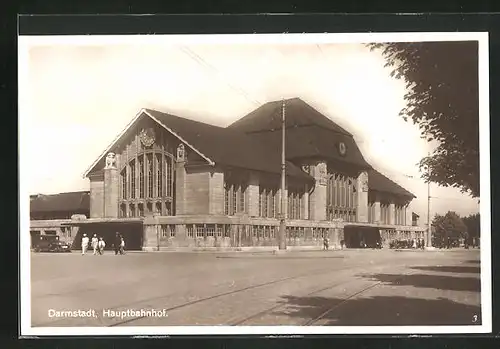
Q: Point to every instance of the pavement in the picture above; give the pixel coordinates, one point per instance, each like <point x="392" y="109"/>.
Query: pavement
<point x="345" y="287"/>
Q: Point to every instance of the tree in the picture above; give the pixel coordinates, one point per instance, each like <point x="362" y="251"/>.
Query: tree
<point x="443" y="100"/>
<point x="448" y="227"/>
<point x="473" y="225"/>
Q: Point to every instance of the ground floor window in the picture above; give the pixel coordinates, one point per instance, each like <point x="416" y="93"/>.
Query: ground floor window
<point x="168" y="230"/>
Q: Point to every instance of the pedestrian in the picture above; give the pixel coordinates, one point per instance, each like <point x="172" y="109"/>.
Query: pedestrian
<point x="101" y="244"/>
<point x="122" y="246"/>
<point x="85" y="244"/>
<point x="94" y="243"/>
<point x="325" y="243"/>
<point x="117" y="244"/>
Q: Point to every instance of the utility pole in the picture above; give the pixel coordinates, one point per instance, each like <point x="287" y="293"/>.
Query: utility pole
<point x="282" y="229"/>
<point x="429" y="231"/>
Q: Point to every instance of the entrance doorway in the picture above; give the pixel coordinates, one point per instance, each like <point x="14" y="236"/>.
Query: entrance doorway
<point x="132" y="234"/>
<point x="361" y="237"/>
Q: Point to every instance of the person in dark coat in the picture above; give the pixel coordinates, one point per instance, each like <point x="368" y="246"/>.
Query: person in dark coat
<point x="117" y="243"/>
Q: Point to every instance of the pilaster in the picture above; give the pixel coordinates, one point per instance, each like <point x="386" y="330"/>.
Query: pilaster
<point x="317" y="199"/>
<point x="362" y="198"/>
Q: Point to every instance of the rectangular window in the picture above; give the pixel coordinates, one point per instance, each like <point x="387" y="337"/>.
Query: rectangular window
<point x="169" y="170"/>
<point x="149" y="179"/>
<point x="123" y="210"/>
<point x="168" y="230"/>
<point x="272" y="204"/>
<point x="123" y="183"/>
<point x="132" y="179"/>
<point x="226" y="199"/>
<point x="141" y="176"/>
<point x="190" y="231"/>
<point x="210" y="230"/>
<point x="159" y="175"/>
<point x="200" y="230"/>
<point x="233" y="199"/>
<point x="241" y="193"/>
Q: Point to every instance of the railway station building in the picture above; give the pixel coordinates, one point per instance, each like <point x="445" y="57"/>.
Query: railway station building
<point x="170" y="183"/>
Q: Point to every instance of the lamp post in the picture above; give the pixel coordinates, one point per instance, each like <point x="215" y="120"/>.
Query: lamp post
<point x="282" y="228"/>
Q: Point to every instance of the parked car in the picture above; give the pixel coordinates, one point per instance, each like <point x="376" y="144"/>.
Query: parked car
<point x="53" y="246"/>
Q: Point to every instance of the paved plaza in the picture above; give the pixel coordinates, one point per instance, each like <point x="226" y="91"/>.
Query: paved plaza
<point x="350" y="287"/>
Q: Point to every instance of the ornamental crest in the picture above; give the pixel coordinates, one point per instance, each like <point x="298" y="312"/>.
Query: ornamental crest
<point x="306" y="168"/>
<point x="342" y="148"/>
<point x="147" y="137"/>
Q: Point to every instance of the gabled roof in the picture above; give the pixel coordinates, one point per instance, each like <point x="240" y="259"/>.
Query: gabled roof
<point x="377" y="181"/>
<point x="226" y="146"/>
<point x="298" y="113"/>
<point x="78" y="201"/>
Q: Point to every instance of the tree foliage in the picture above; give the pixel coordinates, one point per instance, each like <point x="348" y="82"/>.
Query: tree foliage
<point x="473" y="224"/>
<point x="442" y="98"/>
<point x="449" y="226"/>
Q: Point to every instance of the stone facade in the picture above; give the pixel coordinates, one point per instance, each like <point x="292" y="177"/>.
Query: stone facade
<point x="198" y="218"/>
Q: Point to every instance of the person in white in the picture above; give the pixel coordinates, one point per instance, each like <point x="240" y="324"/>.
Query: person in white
<point x="122" y="246"/>
<point x="85" y="243"/>
<point x="94" y="243"/>
<point x="101" y="245"/>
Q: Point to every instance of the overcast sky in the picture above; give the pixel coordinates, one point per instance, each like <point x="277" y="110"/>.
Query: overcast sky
<point x="79" y="97"/>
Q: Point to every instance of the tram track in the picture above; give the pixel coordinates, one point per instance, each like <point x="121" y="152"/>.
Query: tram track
<point x="130" y="305"/>
<point x="205" y="300"/>
<point x="241" y="290"/>
<point x="309" y="322"/>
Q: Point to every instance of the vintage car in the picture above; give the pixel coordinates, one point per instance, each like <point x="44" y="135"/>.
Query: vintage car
<point x="52" y="245"/>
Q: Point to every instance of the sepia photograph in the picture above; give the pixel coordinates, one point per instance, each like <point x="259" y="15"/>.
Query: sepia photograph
<point x="254" y="184"/>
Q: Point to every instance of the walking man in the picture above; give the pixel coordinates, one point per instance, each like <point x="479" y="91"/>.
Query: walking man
<point x="85" y="244"/>
<point x="94" y="243"/>
<point x="118" y="243"/>
<point x="101" y="244"/>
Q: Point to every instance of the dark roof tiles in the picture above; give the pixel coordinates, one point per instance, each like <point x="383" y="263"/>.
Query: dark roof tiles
<point x="227" y="147"/>
<point x="377" y="181"/>
<point x="78" y="201"/>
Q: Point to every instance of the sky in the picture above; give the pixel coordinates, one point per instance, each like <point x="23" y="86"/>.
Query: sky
<point x="78" y="97"/>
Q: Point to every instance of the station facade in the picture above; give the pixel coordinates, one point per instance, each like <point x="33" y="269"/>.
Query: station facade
<point x="168" y="182"/>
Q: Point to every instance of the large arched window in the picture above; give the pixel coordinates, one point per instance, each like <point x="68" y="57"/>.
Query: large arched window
<point x="146" y="184"/>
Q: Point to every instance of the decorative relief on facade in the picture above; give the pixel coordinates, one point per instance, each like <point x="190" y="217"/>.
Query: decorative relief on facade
<point x="147" y="137"/>
<point x="110" y="161"/>
<point x="342" y="148"/>
<point x="181" y="153"/>
<point x="364" y="182"/>
<point x="322" y="173"/>
<point x="306" y="168"/>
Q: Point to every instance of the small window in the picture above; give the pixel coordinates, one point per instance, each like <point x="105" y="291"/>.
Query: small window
<point x="190" y="230"/>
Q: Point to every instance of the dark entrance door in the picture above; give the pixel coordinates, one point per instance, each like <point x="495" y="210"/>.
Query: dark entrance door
<point x="359" y="237"/>
<point x="132" y="234"/>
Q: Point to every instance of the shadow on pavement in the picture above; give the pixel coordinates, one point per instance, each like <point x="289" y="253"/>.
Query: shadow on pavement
<point x="451" y="269"/>
<point x="473" y="262"/>
<point x="439" y="282"/>
<point x="383" y="311"/>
